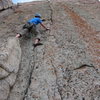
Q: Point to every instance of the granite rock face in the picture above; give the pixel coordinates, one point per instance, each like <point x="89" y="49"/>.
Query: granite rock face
<point x="4" y="4"/>
<point x="10" y="57"/>
<point x="65" y="67"/>
<point x="77" y="1"/>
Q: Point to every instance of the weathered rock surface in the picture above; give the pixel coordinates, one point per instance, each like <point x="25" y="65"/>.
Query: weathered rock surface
<point x="77" y="1"/>
<point x="10" y="57"/>
<point x="4" y="4"/>
<point x="66" y="67"/>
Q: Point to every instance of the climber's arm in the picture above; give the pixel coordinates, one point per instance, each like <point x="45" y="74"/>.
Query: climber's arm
<point x="44" y="26"/>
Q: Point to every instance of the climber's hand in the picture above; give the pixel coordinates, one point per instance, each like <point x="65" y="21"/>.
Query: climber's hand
<point x="47" y="29"/>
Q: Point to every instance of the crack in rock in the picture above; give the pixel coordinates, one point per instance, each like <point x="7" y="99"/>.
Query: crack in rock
<point x="58" y="87"/>
<point x="5" y="68"/>
<point x="5" y="76"/>
<point x="84" y="66"/>
<point x="50" y="6"/>
<point x="29" y="82"/>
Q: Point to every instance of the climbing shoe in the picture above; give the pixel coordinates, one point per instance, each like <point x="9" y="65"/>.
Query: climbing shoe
<point x="38" y="44"/>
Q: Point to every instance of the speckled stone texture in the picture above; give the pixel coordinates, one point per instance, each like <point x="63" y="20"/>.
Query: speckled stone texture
<point x="4" y="4"/>
<point x="66" y="66"/>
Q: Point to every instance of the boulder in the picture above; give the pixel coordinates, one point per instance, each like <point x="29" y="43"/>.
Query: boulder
<point x="4" y="4"/>
<point x="10" y="57"/>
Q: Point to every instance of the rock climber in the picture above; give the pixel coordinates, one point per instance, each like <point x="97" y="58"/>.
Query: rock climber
<point x="31" y="25"/>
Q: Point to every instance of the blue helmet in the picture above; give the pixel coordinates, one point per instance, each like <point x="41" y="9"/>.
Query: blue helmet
<point x="38" y="15"/>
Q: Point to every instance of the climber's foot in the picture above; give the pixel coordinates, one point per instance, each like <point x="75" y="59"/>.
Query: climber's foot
<point x="37" y="44"/>
<point x="18" y="35"/>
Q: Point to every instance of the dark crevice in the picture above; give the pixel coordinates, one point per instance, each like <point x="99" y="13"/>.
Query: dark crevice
<point x="87" y="65"/>
<point x="5" y="68"/>
<point x="83" y="98"/>
<point x="11" y="87"/>
<point x="51" y="19"/>
<point x="5" y="9"/>
<point x="58" y="87"/>
<point x="51" y="15"/>
<point x="32" y="64"/>
<point x="30" y="77"/>
<point x="5" y="76"/>
<point x="29" y="82"/>
<point x="84" y="65"/>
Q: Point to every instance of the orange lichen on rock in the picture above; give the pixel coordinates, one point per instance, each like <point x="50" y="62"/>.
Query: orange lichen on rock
<point x="88" y="33"/>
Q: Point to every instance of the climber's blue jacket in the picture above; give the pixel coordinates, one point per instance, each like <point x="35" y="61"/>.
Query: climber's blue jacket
<point x="35" y="21"/>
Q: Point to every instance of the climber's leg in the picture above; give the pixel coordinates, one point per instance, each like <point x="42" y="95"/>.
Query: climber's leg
<point x="37" y="42"/>
<point x="24" y="31"/>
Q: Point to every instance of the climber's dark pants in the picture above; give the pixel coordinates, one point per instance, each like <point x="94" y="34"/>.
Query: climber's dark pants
<point x="27" y="28"/>
<point x="32" y="29"/>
